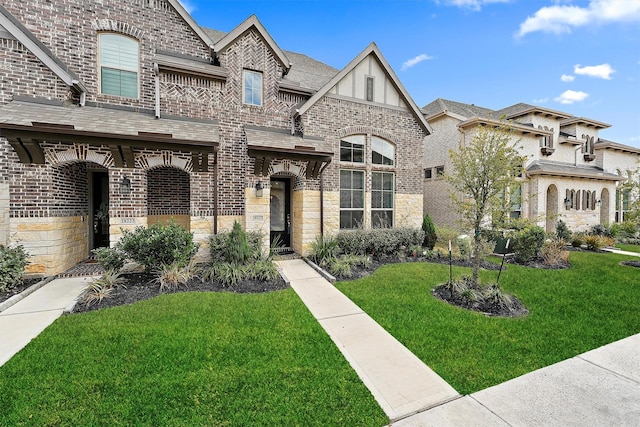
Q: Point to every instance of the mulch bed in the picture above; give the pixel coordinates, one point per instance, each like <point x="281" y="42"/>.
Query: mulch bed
<point x="140" y="286"/>
<point x="515" y="309"/>
<point x="631" y="263"/>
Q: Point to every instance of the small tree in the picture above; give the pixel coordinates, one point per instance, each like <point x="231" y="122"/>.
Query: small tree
<point x="484" y="170"/>
<point x="238" y="248"/>
<point x="430" y="235"/>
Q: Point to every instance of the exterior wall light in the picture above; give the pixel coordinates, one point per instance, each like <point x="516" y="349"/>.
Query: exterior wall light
<point x="125" y="186"/>
<point x="258" y="189"/>
<point x="567" y="203"/>
<point x="598" y="202"/>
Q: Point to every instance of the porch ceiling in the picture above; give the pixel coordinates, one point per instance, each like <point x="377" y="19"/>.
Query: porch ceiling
<point x="27" y="124"/>
<point x="268" y="144"/>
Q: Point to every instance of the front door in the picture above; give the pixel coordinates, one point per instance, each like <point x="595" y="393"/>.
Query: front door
<point x="280" y="212"/>
<point x="99" y="210"/>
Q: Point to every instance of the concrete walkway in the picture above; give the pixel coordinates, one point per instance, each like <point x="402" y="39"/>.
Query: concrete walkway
<point x="620" y="252"/>
<point x="27" y="318"/>
<point x="597" y="388"/>
<point x="400" y="382"/>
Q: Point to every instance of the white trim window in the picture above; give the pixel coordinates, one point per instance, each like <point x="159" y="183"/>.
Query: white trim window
<point x="119" y="65"/>
<point x="252" y="87"/>
<point x="382" y="152"/>
<point x="352" y="149"/>
<point x="351" y="198"/>
<point x="382" y="190"/>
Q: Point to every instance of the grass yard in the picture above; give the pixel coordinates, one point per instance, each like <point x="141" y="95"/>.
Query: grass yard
<point x="628" y="248"/>
<point x="595" y="302"/>
<point x="206" y="359"/>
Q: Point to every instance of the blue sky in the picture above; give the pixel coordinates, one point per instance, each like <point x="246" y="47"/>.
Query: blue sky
<point x="579" y="57"/>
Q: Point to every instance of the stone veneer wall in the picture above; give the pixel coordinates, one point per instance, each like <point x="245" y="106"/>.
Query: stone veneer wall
<point x="4" y="213"/>
<point x="305" y="220"/>
<point x="53" y="244"/>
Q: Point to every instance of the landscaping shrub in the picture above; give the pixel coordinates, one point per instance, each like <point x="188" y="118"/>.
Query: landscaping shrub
<point x="158" y="245"/>
<point x="110" y="259"/>
<point x="323" y="250"/>
<point x="464" y="246"/>
<point x="446" y="234"/>
<point x="601" y="230"/>
<point x="562" y="231"/>
<point x="238" y="249"/>
<point x="98" y="289"/>
<point x="13" y="260"/>
<point x="262" y="270"/>
<point x="554" y="253"/>
<point x="526" y="243"/>
<point x="170" y="277"/>
<point x="430" y="235"/>
<point x="379" y="241"/>
<point x="577" y="240"/>
<point x="626" y="232"/>
<point x="596" y="242"/>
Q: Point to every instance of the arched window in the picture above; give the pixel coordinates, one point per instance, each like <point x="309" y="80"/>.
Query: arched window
<point x="382" y="152"/>
<point x="118" y="66"/>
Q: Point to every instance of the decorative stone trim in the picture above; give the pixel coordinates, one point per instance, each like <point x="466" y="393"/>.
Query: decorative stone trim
<point x="367" y="130"/>
<point x="114" y="26"/>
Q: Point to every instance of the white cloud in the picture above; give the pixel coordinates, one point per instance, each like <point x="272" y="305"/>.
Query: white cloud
<point x="567" y="78"/>
<point x="561" y="19"/>
<point x="187" y="6"/>
<point x="572" y="96"/>
<point x="475" y="5"/>
<point x="602" y="71"/>
<point x="413" y="61"/>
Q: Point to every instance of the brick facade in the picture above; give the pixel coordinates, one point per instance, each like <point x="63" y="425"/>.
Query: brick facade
<point x="164" y="181"/>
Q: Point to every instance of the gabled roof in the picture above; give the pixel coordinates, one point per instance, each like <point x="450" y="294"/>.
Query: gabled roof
<point x="513" y="126"/>
<point x="252" y="22"/>
<point x="191" y="22"/>
<point x="459" y="109"/>
<point x="585" y="122"/>
<point x="306" y="73"/>
<point x="604" y="144"/>
<point x="521" y="109"/>
<point x="42" y="52"/>
<point x="372" y="49"/>
<point x="549" y="168"/>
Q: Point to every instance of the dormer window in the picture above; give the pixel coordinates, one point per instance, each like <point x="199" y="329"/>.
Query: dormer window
<point x="588" y="148"/>
<point x="546" y="142"/>
<point x="118" y="65"/>
<point x="252" y="88"/>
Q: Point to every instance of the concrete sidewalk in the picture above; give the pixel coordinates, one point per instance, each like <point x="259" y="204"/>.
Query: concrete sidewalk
<point x="597" y="388"/>
<point x="27" y="318"/>
<point x="400" y="382"/>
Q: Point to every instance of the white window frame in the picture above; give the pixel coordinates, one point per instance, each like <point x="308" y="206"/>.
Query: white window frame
<point x="352" y="192"/>
<point x="102" y="64"/>
<point x="251" y="100"/>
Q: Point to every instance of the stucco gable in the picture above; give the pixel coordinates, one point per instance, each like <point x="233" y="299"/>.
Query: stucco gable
<point x="369" y="62"/>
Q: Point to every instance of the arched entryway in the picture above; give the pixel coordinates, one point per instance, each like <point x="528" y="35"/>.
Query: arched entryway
<point x="168" y="196"/>
<point x="605" y="200"/>
<point x="552" y="208"/>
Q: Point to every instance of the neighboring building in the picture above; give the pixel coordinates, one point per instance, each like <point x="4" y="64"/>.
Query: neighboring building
<point x="120" y="113"/>
<point x="570" y="173"/>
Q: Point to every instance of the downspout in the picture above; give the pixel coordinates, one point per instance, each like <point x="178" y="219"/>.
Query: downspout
<point x="322" y="206"/>
<point x="215" y="195"/>
<point x="156" y="72"/>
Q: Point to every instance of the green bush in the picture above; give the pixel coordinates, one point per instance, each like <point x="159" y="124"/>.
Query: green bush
<point x="562" y="231"/>
<point x="577" y="240"/>
<point x="111" y="259"/>
<point x="13" y="260"/>
<point x="430" y="235"/>
<point x="601" y="230"/>
<point x="324" y="250"/>
<point x="527" y="242"/>
<point x="379" y="241"/>
<point x="158" y="245"/>
<point x="238" y="249"/>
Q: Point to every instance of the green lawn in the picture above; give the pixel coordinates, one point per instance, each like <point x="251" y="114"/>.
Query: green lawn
<point x="205" y="359"/>
<point x="593" y="303"/>
<point x="628" y="248"/>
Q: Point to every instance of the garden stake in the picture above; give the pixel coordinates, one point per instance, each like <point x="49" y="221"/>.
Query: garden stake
<point x="504" y="255"/>
<point x="450" y="268"/>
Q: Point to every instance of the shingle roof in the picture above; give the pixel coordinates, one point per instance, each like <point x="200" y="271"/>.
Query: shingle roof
<point x="564" y="169"/>
<point x="309" y="73"/>
<point x="105" y="120"/>
<point x="465" y="110"/>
